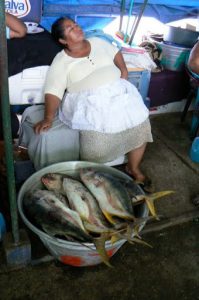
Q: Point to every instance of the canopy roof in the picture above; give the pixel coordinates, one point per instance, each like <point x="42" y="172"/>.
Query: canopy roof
<point x="163" y="10"/>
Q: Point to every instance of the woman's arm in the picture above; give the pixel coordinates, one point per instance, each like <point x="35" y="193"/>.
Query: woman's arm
<point x="120" y="63"/>
<point x="51" y="105"/>
<point x="193" y="61"/>
<point x="17" y="28"/>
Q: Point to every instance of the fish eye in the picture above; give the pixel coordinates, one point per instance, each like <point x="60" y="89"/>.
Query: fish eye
<point x="99" y="177"/>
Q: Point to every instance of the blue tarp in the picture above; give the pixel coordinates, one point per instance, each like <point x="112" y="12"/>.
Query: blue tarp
<point x="103" y="11"/>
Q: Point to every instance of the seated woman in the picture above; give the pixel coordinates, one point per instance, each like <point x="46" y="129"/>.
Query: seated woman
<point x="193" y="68"/>
<point x="193" y="61"/>
<point x="87" y="84"/>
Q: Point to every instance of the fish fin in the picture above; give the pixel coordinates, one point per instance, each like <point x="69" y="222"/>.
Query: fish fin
<point x="100" y="247"/>
<point x="114" y="238"/>
<point x="129" y="217"/>
<point x="129" y="231"/>
<point x="151" y="208"/>
<point x="138" y="198"/>
<point x="151" y="198"/>
<point x="158" y="195"/>
<point x="139" y="241"/>
<point x="93" y="228"/>
<point x="109" y="217"/>
<point x="47" y="230"/>
<point x="132" y="230"/>
<point x="126" y="216"/>
<point x="136" y="231"/>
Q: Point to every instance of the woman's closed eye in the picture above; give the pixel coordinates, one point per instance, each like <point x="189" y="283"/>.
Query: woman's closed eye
<point x="70" y="28"/>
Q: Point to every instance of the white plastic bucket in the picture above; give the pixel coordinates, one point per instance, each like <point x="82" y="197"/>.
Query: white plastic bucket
<point x="173" y="57"/>
<point x="71" y="253"/>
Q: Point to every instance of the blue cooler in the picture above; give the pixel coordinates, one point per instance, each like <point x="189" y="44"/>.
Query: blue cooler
<point x="26" y="10"/>
<point x="194" y="152"/>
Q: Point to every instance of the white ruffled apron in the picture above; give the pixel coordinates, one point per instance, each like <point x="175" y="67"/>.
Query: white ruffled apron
<point x="111" y="108"/>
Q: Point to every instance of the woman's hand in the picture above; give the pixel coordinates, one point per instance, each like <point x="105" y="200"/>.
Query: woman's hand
<point x="43" y="125"/>
<point x="124" y="74"/>
<point x="51" y="105"/>
<point x="193" y="61"/>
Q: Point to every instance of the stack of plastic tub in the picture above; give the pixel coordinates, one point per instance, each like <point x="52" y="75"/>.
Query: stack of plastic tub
<point x="173" y="56"/>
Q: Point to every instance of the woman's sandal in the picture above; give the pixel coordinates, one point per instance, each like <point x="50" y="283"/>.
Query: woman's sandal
<point x="146" y="185"/>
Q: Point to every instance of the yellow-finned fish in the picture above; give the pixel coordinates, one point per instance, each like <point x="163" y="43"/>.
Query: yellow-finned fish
<point x="82" y="201"/>
<point x="55" y="218"/>
<point x="112" y="197"/>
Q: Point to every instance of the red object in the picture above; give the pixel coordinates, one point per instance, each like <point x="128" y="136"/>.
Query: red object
<point x="72" y="260"/>
<point x="133" y="50"/>
<point x="120" y="36"/>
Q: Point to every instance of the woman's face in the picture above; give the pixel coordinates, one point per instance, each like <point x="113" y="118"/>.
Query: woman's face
<point x="72" y="32"/>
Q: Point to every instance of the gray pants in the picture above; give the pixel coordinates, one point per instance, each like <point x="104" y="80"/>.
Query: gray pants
<point x="58" y="144"/>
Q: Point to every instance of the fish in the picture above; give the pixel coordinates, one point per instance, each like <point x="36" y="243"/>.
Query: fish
<point x="80" y="200"/>
<point x="53" y="181"/>
<point x="116" y="199"/>
<point x="54" y="217"/>
<point x="95" y="222"/>
<point x="112" y="197"/>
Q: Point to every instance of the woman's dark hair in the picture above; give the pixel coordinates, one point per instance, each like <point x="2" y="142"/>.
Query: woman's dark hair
<point x="57" y="29"/>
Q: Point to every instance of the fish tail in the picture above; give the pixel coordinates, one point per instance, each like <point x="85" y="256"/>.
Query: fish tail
<point x="136" y="231"/>
<point x="100" y="247"/>
<point x="139" y="241"/>
<point x="158" y="195"/>
<point x="115" y="237"/>
<point x="151" y="198"/>
<point x="131" y="231"/>
<point x="109" y="217"/>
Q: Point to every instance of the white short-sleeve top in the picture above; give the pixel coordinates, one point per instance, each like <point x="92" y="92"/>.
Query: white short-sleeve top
<point x="85" y="73"/>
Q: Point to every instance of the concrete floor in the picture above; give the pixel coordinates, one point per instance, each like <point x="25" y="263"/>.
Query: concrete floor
<point x="168" y="163"/>
<point x="167" y="271"/>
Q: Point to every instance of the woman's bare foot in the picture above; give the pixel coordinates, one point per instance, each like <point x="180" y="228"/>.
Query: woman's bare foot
<point x="136" y="174"/>
<point x="144" y="182"/>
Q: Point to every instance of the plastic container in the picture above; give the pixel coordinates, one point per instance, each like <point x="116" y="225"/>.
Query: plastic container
<point x="30" y="84"/>
<point x="2" y="226"/>
<point x="26" y="10"/>
<point x="72" y="253"/>
<point x="181" y="36"/>
<point x="173" y="56"/>
<point x="141" y="80"/>
<point x="194" y="152"/>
